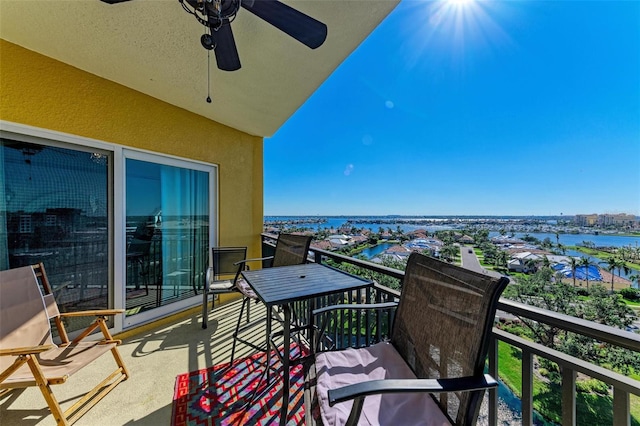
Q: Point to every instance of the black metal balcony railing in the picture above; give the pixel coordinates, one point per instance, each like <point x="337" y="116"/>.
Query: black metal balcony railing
<point x="356" y="329"/>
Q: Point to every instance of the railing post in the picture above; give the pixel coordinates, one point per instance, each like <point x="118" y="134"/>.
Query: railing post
<point x="621" y="408"/>
<point x="493" y="371"/>
<point x="568" y="396"/>
<point x="527" y="387"/>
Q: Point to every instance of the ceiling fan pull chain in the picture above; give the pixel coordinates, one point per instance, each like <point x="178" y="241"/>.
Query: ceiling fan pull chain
<point x="208" y="76"/>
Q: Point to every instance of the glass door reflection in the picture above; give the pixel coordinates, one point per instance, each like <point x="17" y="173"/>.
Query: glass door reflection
<point x="167" y="219"/>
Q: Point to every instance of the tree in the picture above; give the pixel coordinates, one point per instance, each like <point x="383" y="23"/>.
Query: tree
<point x="610" y="265"/>
<point x="601" y="307"/>
<point x="535" y="290"/>
<point x="635" y="278"/>
<point x="481" y="236"/>
<point x="588" y="244"/>
<point x="546" y="263"/>
<point x="573" y="264"/>
<point x="586" y="262"/>
<point x="546" y="243"/>
<point x="561" y="249"/>
<point x="449" y="252"/>
<point x="531" y="265"/>
<point x="622" y="266"/>
<point x="502" y="260"/>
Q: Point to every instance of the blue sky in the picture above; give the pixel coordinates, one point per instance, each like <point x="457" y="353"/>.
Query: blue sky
<point x="488" y="108"/>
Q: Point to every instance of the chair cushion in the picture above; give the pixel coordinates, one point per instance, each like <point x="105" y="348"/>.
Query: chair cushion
<point x="245" y="289"/>
<point x="222" y="285"/>
<point x="380" y="361"/>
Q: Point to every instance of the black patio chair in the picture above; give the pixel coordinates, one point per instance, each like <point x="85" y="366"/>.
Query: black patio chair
<point x="138" y="254"/>
<point x="439" y="343"/>
<point x="226" y="265"/>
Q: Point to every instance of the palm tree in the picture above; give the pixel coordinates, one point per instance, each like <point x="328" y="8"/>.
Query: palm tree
<point x="449" y="252"/>
<point x="573" y="264"/>
<point x="622" y="266"/>
<point x="635" y="278"/>
<point x="502" y="260"/>
<point x="531" y="265"/>
<point x="584" y="261"/>
<point x="611" y="264"/>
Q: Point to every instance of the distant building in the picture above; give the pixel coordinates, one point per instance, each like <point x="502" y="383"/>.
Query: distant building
<point x="397" y="252"/>
<point x="586" y="219"/>
<point x="422" y="245"/>
<point x="520" y="262"/>
<point x="621" y="219"/>
<point x="340" y="240"/>
<point x="465" y="239"/>
<point x="607" y="220"/>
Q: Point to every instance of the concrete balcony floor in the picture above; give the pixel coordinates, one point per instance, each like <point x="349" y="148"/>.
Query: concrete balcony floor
<point x="155" y="355"/>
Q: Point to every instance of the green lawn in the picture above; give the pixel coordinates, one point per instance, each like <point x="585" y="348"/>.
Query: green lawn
<point x="592" y="408"/>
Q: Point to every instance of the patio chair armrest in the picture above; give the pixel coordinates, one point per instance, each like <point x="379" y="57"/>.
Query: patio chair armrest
<point x="385" y="305"/>
<point x="27" y="350"/>
<point x="94" y="313"/>
<point x="374" y="387"/>
<point x="256" y="259"/>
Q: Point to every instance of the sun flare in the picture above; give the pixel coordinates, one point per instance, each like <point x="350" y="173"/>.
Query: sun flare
<point x="459" y="3"/>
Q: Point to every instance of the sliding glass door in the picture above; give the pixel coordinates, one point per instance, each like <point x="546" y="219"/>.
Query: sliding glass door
<point x="55" y="209"/>
<point x="114" y="227"/>
<point x="168" y="212"/>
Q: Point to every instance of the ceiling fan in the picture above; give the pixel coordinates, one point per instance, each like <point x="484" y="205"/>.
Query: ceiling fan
<point x="217" y="15"/>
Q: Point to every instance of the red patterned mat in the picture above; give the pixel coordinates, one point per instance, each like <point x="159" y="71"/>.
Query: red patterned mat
<point x="238" y="394"/>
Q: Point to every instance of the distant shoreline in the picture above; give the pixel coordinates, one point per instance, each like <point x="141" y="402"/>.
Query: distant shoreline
<point x="540" y="217"/>
<point x="534" y="224"/>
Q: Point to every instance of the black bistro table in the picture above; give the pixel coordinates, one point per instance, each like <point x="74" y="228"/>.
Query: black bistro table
<point x="284" y="285"/>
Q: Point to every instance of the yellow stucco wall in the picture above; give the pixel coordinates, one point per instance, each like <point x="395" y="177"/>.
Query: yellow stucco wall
<point x="39" y="91"/>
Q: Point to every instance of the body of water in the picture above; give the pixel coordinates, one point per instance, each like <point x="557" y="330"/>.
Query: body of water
<point x="337" y="222"/>
<point x="369" y="222"/>
<point x="565" y="239"/>
<point x="372" y="252"/>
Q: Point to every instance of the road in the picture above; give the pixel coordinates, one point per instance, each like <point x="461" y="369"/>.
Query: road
<point x="470" y="261"/>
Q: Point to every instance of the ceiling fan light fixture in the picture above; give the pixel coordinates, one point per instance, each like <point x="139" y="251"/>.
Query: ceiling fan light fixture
<point x="207" y="42"/>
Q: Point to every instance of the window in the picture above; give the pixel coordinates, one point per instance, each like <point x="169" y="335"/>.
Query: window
<point x="50" y="220"/>
<point x="56" y="211"/>
<point x="25" y="224"/>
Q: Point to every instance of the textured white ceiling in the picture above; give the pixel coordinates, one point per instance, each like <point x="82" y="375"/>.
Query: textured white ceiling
<point x="153" y="46"/>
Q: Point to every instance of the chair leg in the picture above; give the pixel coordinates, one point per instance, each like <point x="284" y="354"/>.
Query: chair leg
<point x="45" y="389"/>
<point x="268" y="345"/>
<point x="205" y="307"/>
<point x="245" y="300"/>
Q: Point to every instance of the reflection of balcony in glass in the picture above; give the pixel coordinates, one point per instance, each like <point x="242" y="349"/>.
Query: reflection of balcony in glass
<point x="172" y="203"/>
<point x="56" y="214"/>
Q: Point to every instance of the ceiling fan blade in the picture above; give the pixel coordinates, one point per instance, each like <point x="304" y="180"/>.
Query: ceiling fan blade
<point x="226" y="53"/>
<point x="303" y="28"/>
<point x="113" y="1"/>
